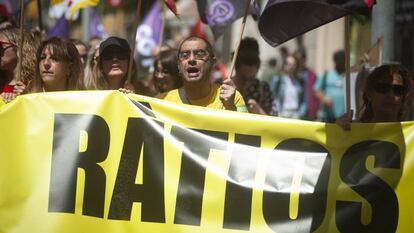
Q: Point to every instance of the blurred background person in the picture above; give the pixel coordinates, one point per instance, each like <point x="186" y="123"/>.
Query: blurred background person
<point x="218" y="74"/>
<point x="166" y="76"/>
<point x="82" y="50"/>
<point x="270" y="70"/>
<point x="91" y="68"/>
<point x="93" y="41"/>
<point x="288" y="89"/>
<point x="387" y="96"/>
<point x="159" y="48"/>
<point x="329" y="88"/>
<point x="284" y="53"/>
<point x="309" y="78"/>
<point x="256" y="94"/>
<point x="58" y="67"/>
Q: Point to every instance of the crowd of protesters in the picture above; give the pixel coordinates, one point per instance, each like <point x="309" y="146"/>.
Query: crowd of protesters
<point x="187" y="74"/>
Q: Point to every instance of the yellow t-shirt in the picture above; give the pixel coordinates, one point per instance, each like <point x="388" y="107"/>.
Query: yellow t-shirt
<point x="212" y="100"/>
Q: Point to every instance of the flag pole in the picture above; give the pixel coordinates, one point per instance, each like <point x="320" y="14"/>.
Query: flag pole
<point x="39" y="15"/>
<point x="21" y="22"/>
<point x="131" y="56"/>
<point x="162" y="23"/>
<point x="347" y="64"/>
<point x="236" y="51"/>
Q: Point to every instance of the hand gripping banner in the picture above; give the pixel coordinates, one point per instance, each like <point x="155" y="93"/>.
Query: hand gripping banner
<point x="109" y="162"/>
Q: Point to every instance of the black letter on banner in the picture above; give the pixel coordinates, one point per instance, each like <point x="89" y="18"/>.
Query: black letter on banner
<point x="197" y="145"/>
<point x="66" y="159"/>
<point x="238" y="201"/>
<point x="148" y="134"/>
<point x="379" y="194"/>
<point x="314" y="176"/>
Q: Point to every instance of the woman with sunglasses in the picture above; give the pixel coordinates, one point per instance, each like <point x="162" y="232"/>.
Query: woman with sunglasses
<point x="112" y="67"/>
<point x="386" y="96"/>
<point x="10" y="84"/>
<point x="58" y="67"/>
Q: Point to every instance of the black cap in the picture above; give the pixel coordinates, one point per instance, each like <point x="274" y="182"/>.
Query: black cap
<point x="115" y="41"/>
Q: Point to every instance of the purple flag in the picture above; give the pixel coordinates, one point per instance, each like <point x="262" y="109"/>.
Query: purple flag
<point x="61" y="28"/>
<point x="96" y="27"/>
<point x="220" y="14"/>
<point x="282" y="20"/>
<point x="148" y="36"/>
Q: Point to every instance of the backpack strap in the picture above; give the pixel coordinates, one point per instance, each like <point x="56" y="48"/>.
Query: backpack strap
<point x="324" y="82"/>
<point x="181" y="93"/>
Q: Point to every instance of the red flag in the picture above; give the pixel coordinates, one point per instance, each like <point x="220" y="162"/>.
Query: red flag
<point x="171" y="5"/>
<point x="115" y="3"/>
<point x="198" y="30"/>
<point x="369" y="3"/>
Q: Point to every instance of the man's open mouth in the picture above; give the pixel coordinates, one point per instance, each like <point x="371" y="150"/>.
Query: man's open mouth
<point x="193" y="71"/>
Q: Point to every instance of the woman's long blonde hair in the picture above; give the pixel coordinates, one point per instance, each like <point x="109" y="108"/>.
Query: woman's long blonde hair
<point x="96" y="80"/>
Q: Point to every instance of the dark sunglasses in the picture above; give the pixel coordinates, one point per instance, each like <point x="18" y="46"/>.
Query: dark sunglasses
<point x="4" y="45"/>
<point x="385" y="88"/>
<point x="111" y="55"/>
<point x="199" y="54"/>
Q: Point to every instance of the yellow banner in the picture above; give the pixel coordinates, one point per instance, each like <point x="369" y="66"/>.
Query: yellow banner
<point x="109" y="162"/>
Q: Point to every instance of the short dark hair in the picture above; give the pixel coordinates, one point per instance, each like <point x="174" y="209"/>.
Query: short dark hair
<point x="339" y="56"/>
<point x="248" y="53"/>
<point x="339" y="59"/>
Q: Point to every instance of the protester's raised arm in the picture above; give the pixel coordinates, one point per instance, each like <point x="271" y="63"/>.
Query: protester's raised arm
<point x="345" y="120"/>
<point x="227" y="94"/>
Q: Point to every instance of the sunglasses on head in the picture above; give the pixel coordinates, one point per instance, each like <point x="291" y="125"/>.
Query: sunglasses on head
<point x="385" y="88"/>
<point x="111" y="55"/>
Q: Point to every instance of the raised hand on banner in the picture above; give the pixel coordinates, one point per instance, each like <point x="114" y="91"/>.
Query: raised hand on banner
<point x="254" y="107"/>
<point x="227" y="94"/>
<point x="7" y="97"/>
<point x="19" y="89"/>
<point x="345" y="120"/>
<point x="127" y="89"/>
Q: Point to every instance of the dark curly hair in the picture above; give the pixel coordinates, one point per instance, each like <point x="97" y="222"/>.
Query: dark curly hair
<point x="381" y="73"/>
